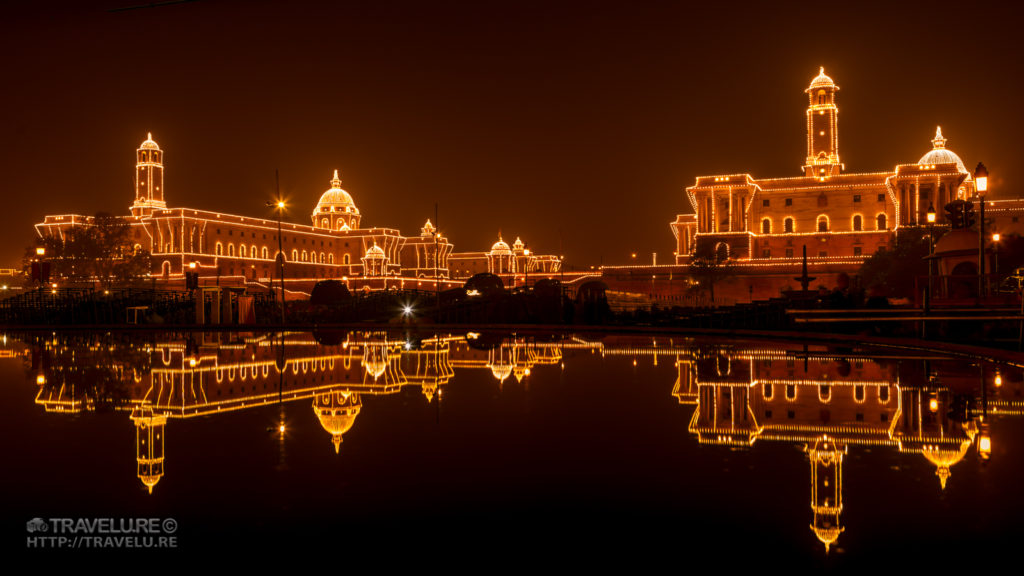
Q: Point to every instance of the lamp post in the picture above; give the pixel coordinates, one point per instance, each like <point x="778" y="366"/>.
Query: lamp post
<point x="981" y="185"/>
<point x="280" y="250"/>
<point x="526" y="267"/>
<point x="931" y="254"/>
<point x="995" y="256"/>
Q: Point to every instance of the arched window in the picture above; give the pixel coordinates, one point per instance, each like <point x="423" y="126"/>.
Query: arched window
<point x="295" y="255"/>
<point x="263" y="253"/>
<point x="330" y="258"/>
<point x="822" y="223"/>
<point x="857" y="223"/>
<point x="323" y="258"/>
<point x="766" y="226"/>
<point x="241" y="251"/>
<point x="346" y="259"/>
<point x="324" y="223"/>
<point x="788" y="225"/>
<point x="231" y="249"/>
<point x="821" y="96"/>
<point x="881" y="222"/>
<point x="218" y="249"/>
<point x="305" y="256"/>
<point x="722" y="251"/>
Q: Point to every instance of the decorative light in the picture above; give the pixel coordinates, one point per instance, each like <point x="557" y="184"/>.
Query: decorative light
<point x="40" y="251"/>
<point x="931" y="213"/>
<point x="981" y="179"/>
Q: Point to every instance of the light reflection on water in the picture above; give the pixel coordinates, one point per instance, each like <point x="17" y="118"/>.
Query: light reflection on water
<point x="658" y="444"/>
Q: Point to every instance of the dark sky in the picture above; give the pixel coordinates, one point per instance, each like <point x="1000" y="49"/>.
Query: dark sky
<point x="578" y="123"/>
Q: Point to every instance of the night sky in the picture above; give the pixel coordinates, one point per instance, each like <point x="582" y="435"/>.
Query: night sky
<point x="566" y="123"/>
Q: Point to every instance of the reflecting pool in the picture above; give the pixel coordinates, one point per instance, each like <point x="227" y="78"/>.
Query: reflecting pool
<point x="484" y="450"/>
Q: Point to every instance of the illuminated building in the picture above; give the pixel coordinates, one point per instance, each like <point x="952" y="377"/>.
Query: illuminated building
<point x="240" y="250"/>
<point x="507" y="262"/>
<point x="841" y="218"/>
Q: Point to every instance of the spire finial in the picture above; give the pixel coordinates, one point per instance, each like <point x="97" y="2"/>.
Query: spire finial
<point x="336" y="182"/>
<point x="149" y="135"/>
<point x="938" y="142"/>
<point x="821" y="70"/>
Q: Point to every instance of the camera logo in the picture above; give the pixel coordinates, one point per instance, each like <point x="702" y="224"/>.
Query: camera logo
<point x="36" y="525"/>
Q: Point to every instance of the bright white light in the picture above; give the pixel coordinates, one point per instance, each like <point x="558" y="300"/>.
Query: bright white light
<point x="407" y="309"/>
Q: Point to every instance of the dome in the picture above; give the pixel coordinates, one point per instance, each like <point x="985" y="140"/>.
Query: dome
<point x="822" y="81"/>
<point x="149" y="144"/>
<point x="335" y="199"/>
<point x="939" y="154"/>
<point x="944" y="459"/>
<point x="500" y="247"/>
<point x="375" y="252"/>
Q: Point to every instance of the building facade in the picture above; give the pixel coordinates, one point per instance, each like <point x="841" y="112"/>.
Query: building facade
<point x="242" y="250"/>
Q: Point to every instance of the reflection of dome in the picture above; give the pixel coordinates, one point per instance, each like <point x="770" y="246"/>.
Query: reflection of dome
<point x="939" y="154"/>
<point x="500" y="247"/>
<point x="943" y="458"/>
<point x="821" y="81"/>
<point x="337" y="413"/>
<point x="375" y="359"/>
<point x="501" y="371"/>
<point x="335" y="199"/>
<point x="149" y="144"/>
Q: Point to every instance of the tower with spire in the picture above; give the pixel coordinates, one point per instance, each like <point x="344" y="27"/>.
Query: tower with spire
<point x="822" y="130"/>
<point x="149" y="178"/>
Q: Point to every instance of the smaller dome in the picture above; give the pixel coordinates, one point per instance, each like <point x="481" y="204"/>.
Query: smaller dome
<point x="939" y="154"/>
<point x="518" y="244"/>
<point x="500" y="247"/>
<point x="428" y="229"/>
<point x="822" y="81"/>
<point x="149" y="144"/>
<point x="375" y="252"/>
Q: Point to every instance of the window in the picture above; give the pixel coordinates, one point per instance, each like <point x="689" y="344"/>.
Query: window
<point x="219" y="249"/>
<point x="881" y="197"/>
<point x="881" y="222"/>
<point x="789" y="201"/>
<point x="241" y="251"/>
<point x="856" y="197"/>
<point x="822" y="253"/>
<point x="766" y="253"/>
<point x="766" y="203"/>
<point x="857" y="223"/>
<point x="766" y="226"/>
<point x="330" y="258"/>
<point x="346" y="259"/>
<point x="789" y="252"/>
<point x="787" y="225"/>
<point x="263" y="253"/>
<point x="822" y="223"/>
<point x="295" y="255"/>
<point x="252" y="251"/>
<point x="231" y="249"/>
<point x="769" y="391"/>
<point x="857" y="251"/>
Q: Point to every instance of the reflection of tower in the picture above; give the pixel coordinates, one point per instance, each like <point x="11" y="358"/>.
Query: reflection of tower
<point x="149" y="179"/>
<point x="826" y="489"/>
<point x="149" y="445"/>
<point x="337" y="413"/>
<point x="499" y="360"/>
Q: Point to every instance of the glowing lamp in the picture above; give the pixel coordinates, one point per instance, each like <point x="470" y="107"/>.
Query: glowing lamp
<point x="933" y="405"/>
<point x="192" y="265"/>
<point x="280" y="205"/>
<point x="931" y="214"/>
<point x="281" y="428"/>
<point x="999" y="380"/>
<point x="996" y="237"/>
<point x="40" y="379"/>
<point x="40" y="251"/>
<point x="985" y="447"/>
<point x="192" y="362"/>
<point x="981" y="179"/>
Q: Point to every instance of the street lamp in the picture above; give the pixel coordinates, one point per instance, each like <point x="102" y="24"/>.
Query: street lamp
<point x="931" y="259"/>
<point x="280" y="249"/>
<point x="995" y="255"/>
<point x="526" y="264"/>
<point x="981" y="185"/>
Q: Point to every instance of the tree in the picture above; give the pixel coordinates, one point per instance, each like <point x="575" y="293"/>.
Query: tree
<point x="710" y="264"/>
<point x="101" y="250"/>
<point x="895" y="271"/>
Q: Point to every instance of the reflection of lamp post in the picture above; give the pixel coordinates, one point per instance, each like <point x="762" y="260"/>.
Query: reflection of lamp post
<point x="981" y="185"/>
<point x="280" y="250"/>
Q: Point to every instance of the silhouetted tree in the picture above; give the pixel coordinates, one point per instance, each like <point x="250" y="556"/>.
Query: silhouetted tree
<point x="895" y="271"/>
<point x="710" y="264"/>
<point x="100" y="251"/>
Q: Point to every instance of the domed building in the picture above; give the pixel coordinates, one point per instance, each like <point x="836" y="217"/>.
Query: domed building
<point x="840" y="218"/>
